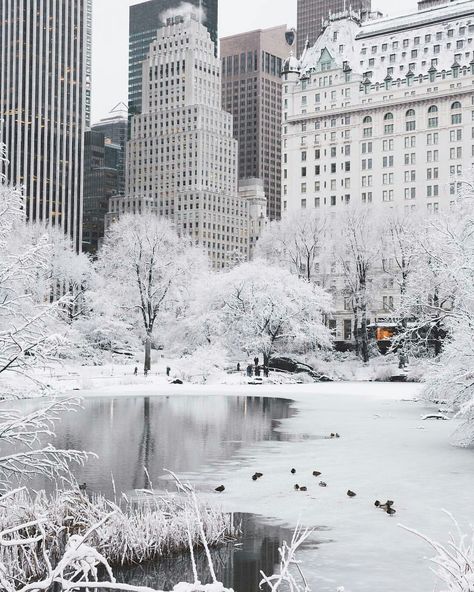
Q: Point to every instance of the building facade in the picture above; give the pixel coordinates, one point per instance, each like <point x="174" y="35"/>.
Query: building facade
<point x="381" y="112"/>
<point x="45" y="68"/>
<point x="115" y="130"/>
<point x="102" y="179"/>
<point x="145" y="19"/>
<point x="311" y="15"/>
<point x="182" y="157"/>
<point x="251" y="65"/>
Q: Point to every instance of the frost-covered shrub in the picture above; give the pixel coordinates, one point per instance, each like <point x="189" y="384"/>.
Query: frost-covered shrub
<point x="198" y="367"/>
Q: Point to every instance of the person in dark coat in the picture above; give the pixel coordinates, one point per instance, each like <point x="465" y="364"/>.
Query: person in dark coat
<point x="249" y="370"/>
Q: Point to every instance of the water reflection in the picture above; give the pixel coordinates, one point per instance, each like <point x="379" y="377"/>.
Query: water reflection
<point x="237" y="566"/>
<point x="140" y="436"/>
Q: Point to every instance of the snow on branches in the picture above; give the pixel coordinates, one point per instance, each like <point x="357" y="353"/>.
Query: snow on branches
<point x="22" y="452"/>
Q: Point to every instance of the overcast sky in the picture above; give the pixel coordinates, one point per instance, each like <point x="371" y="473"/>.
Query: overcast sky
<point x="110" y="38"/>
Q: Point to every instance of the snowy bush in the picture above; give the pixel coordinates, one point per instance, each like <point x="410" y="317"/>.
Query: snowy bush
<point x="200" y="365"/>
<point x="454" y="562"/>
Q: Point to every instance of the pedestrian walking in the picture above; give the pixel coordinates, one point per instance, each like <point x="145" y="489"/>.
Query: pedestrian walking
<point x="135" y="372"/>
<point x="249" y="370"/>
<point x="168" y="370"/>
<point x="255" y="361"/>
<point x="238" y="366"/>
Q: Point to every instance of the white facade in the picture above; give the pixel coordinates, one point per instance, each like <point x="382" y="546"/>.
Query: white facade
<point x="381" y="112"/>
<point x="182" y="154"/>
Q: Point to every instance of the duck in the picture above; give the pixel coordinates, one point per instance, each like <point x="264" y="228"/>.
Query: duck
<point x="316" y="473"/>
<point x="323" y="484"/>
<point x="304" y="488"/>
<point x="83" y="487"/>
<point x="257" y="476"/>
<point x="391" y="511"/>
<point x="293" y="471"/>
<point x="220" y="489"/>
<point x="351" y="493"/>
<point x="388" y="504"/>
<point x="297" y="487"/>
<point x="335" y="435"/>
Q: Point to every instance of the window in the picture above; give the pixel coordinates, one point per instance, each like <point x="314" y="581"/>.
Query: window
<point x="455" y="135"/>
<point x="367" y="197"/>
<point x="432" y="139"/>
<point x="388" y="117"/>
<point x="387" y="195"/>
<point x="410" y="114"/>
<point x="410" y="141"/>
<point x="456" y="118"/>
<point x="387" y="145"/>
<point x="432" y="191"/>
<point x="303" y="171"/>
<point x="410" y="158"/>
<point x="303" y="156"/>
<point x="303" y="204"/>
<point x="366" y="147"/>
<point x="303" y="187"/>
<point x="387" y="161"/>
<point x="410" y="192"/>
<point x="333" y="200"/>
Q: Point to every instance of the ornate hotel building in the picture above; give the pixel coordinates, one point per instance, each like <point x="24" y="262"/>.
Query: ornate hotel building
<point x="182" y="157"/>
<point x="45" y="68"/>
<point x="381" y="112"/>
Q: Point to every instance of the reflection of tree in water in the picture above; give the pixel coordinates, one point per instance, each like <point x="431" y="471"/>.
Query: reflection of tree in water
<point x="141" y="479"/>
<point x="238" y="565"/>
<point x="184" y="434"/>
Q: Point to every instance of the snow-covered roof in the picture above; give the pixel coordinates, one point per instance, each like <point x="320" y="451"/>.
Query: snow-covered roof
<point x="407" y="43"/>
<point x="414" y="20"/>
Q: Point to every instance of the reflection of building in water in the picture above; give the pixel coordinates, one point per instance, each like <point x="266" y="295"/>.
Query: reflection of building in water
<point x="236" y="567"/>
<point x="183" y="434"/>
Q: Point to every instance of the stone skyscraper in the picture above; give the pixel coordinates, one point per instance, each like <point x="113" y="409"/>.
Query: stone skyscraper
<point x="182" y="157"/>
<point x="45" y="62"/>
<point x="312" y="13"/>
<point x="251" y="91"/>
<point x="145" y="19"/>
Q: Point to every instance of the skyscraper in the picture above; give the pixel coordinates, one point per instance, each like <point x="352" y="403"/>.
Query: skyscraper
<point x="182" y="157"/>
<point x="251" y="65"/>
<point x="312" y="13"/>
<point x="145" y="19"/>
<point x="102" y="159"/>
<point x="115" y="129"/>
<point x="45" y="64"/>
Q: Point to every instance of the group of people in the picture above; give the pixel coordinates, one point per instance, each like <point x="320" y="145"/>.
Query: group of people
<point x="255" y="369"/>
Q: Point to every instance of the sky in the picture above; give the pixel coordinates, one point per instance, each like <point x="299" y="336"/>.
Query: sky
<point x="110" y="38"/>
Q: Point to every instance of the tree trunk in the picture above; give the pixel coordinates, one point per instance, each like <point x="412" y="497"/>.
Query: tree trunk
<point x="266" y="358"/>
<point x="147" y="366"/>
<point x="364" y="341"/>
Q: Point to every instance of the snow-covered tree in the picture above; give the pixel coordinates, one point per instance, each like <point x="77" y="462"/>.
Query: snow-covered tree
<point x="144" y="268"/>
<point x="267" y="309"/>
<point x="27" y="323"/>
<point x="401" y="257"/>
<point x="450" y="305"/>
<point x="298" y="243"/>
<point x="356" y="248"/>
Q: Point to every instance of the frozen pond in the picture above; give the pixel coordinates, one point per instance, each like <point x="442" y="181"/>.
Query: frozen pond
<point x="137" y="438"/>
<point x="385" y="451"/>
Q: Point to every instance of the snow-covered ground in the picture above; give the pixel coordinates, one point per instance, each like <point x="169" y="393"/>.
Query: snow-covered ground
<point x="385" y="452"/>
